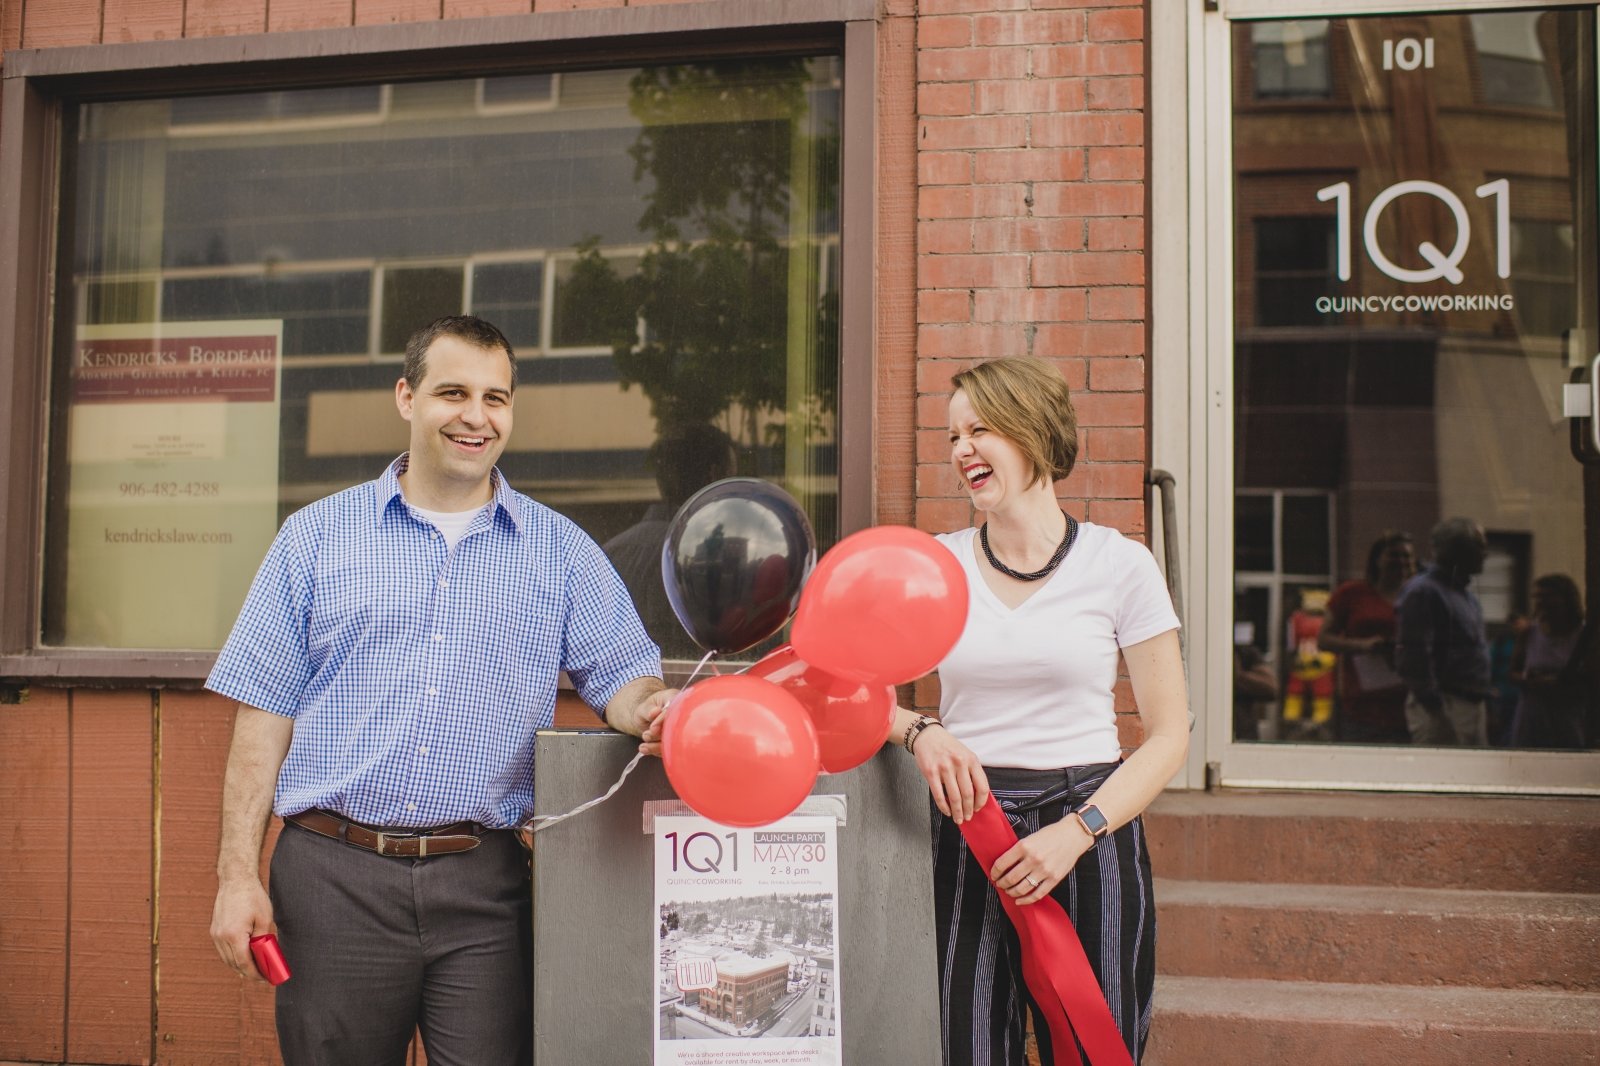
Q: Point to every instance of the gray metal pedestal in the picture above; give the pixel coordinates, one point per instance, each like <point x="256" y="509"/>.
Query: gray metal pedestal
<point x="594" y="920"/>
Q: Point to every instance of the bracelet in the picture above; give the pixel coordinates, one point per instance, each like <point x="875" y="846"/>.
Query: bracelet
<point x="914" y="730"/>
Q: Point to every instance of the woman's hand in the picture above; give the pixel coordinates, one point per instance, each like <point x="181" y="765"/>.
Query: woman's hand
<point x="1038" y="862"/>
<point x="954" y="774"/>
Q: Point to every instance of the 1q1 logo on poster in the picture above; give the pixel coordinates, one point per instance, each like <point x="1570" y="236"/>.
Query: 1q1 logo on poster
<point x="1441" y="264"/>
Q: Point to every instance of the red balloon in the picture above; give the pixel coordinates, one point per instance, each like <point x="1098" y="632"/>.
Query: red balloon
<point x="883" y="607"/>
<point x="739" y="750"/>
<point x="852" y="719"/>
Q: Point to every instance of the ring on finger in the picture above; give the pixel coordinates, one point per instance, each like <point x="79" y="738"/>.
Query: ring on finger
<point x="1032" y="881"/>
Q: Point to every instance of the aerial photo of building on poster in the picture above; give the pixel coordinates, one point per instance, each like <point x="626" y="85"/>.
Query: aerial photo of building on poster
<point x="172" y="479"/>
<point x="747" y="943"/>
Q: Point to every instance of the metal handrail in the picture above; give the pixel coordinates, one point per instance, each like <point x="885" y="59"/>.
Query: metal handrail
<point x="1167" y="485"/>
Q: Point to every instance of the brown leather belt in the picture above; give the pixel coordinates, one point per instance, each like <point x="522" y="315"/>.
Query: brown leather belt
<point x="397" y="843"/>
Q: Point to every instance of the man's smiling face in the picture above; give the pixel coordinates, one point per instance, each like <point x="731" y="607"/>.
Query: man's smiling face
<point x="460" y="415"/>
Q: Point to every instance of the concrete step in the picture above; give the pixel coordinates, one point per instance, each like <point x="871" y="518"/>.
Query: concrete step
<point x="1384" y="935"/>
<point x="1210" y="1021"/>
<point x="1486" y="843"/>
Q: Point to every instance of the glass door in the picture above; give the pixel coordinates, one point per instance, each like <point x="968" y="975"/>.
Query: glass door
<point x="1415" y="498"/>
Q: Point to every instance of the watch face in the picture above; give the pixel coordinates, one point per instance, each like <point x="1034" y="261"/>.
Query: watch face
<point x="1094" y="820"/>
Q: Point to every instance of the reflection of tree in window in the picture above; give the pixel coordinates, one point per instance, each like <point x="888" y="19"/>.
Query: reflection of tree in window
<point x="1291" y="59"/>
<point x="1295" y="264"/>
<point x="1543" y="277"/>
<point x="589" y="308"/>
<point x="1511" y="59"/>
<point x="718" y="290"/>
<point x="108" y="303"/>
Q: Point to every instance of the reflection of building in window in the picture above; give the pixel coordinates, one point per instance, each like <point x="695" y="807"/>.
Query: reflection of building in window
<point x="354" y="215"/>
<point x="1283" y="544"/>
<point x="518" y="92"/>
<point x="511" y="295"/>
<point x="1295" y="264"/>
<point x="1403" y="407"/>
<point x="413" y="295"/>
<point x="1290" y="59"/>
<point x="345" y="105"/>
<point x="1511" y="59"/>
<point x="324" y="311"/>
<point x="1544" y="276"/>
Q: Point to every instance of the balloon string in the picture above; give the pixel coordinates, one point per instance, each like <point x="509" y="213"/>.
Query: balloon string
<point x="545" y="821"/>
<point x="701" y="666"/>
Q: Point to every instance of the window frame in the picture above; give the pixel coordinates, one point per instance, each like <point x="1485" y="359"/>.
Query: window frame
<point x="40" y="86"/>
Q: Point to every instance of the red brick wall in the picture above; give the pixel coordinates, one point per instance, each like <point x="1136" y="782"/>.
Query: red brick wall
<point x="1030" y="236"/>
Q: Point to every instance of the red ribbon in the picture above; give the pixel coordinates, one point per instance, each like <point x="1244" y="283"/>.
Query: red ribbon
<point x="1053" y="963"/>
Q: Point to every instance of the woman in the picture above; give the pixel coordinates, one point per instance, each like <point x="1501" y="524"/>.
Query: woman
<point x="1027" y="712"/>
<point x="1549" y="713"/>
<point x="1360" y="630"/>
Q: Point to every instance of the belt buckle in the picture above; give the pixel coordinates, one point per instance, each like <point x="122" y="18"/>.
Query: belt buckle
<point x="397" y="841"/>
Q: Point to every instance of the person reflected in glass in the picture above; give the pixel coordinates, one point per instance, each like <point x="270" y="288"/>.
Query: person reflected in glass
<point x="684" y="459"/>
<point x="1550" y="710"/>
<point x="1255" y="686"/>
<point x="1441" y="651"/>
<point x="1027" y="718"/>
<point x="1360" y="629"/>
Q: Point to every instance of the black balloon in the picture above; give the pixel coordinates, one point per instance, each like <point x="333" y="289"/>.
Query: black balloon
<point x="733" y="562"/>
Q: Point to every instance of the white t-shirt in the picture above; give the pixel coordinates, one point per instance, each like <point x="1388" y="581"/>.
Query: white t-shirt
<point x="453" y="524"/>
<point x="1031" y="687"/>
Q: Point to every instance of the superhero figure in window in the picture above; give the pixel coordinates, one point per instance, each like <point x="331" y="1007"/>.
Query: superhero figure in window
<point x="1310" y="669"/>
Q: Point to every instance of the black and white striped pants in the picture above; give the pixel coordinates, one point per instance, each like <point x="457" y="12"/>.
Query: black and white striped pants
<point x="1108" y="897"/>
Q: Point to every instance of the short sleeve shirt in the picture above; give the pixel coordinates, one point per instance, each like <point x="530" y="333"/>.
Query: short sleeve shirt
<point x="417" y="674"/>
<point x="1032" y="687"/>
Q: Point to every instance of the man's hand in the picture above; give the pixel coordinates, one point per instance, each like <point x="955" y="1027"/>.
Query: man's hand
<point x="637" y="709"/>
<point x="242" y="910"/>
<point x="653" y="717"/>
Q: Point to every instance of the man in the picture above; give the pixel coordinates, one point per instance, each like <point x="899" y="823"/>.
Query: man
<point x="396" y="653"/>
<point x="1441" y="652"/>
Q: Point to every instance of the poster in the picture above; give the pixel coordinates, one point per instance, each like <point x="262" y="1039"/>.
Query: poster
<point x="172" y="482"/>
<point x="747" y="943"/>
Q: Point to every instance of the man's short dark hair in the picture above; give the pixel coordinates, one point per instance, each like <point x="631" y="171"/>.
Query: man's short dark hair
<point x="470" y="328"/>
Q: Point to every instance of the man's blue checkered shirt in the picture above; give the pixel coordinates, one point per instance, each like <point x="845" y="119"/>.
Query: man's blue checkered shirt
<point x="417" y="676"/>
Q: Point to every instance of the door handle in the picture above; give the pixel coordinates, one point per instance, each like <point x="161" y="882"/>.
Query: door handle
<point x="1594" y="403"/>
<point x="1579" y="402"/>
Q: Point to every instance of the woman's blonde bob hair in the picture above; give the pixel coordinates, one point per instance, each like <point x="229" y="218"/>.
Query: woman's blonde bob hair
<point x="1026" y="401"/>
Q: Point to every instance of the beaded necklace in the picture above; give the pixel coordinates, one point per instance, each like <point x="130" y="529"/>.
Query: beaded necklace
<point x="1048" y="568"/>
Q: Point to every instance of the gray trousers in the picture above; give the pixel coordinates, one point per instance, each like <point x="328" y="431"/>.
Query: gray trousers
<point x="1460" y="723"/>
<point x="380" y="947"/>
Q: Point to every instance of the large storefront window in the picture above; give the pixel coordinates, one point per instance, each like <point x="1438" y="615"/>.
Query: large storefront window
<point x="1415" y="250"/>
<point x="240" y="273"/>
